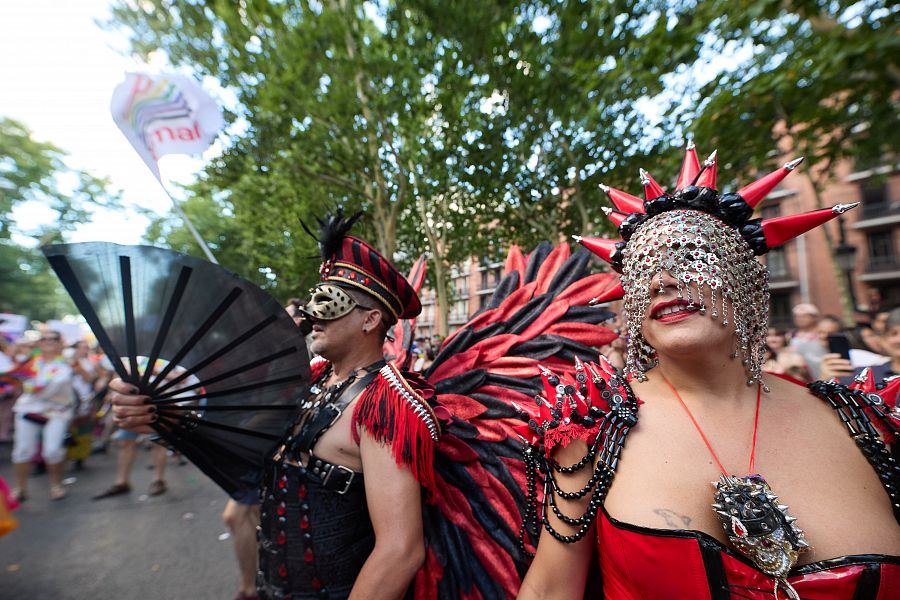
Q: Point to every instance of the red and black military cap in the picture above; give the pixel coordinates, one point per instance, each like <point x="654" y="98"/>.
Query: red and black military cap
<point x="350" y="262"/>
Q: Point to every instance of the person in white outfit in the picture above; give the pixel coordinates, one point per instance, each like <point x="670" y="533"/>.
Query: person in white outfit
<point x="43" y="412"/>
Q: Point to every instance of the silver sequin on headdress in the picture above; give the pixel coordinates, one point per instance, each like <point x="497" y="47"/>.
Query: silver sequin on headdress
<point x="715" y="269"/>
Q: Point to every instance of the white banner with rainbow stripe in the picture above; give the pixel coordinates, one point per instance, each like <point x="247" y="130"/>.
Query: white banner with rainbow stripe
<point x="165" y="114"/>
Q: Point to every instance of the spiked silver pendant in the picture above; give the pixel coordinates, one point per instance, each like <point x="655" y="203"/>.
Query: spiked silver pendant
<point x="760" y="528"/>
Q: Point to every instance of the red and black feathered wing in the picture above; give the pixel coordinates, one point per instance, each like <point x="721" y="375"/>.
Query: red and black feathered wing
<point x="539" y="314"/>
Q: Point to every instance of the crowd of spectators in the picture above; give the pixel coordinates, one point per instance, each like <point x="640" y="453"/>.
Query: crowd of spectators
<point x="822" y="346"/>
<point x="53" y="412"/>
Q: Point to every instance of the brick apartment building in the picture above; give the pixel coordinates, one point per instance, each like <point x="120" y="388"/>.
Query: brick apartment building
<point x="471" y="287"/>
<point x="801" y="271"/>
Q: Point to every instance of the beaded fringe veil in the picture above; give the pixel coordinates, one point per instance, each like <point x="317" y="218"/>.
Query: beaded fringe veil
<point x="715" y="270"/>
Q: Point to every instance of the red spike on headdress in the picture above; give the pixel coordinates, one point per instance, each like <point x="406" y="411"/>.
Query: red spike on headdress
<point x="756" y="191"/>
<point x="652" y="190"/>
<point x="707" y="177"/>
<point x="689" y="168"/>
<point x="616" y="292"/>
<point x="602" y="247"/>
<point x="780" y="230"/>
<point x="624" y="201"/>
<point x="614" y="215"/>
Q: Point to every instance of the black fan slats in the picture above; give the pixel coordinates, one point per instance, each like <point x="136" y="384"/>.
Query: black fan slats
<point x="221" y="358"/>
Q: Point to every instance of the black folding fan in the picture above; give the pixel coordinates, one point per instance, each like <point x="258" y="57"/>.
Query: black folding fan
<point x="220" y="359"/>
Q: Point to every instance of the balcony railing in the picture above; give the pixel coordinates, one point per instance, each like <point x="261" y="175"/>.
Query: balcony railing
<point x="874" y="210"/>
<point x="883" y="263"/>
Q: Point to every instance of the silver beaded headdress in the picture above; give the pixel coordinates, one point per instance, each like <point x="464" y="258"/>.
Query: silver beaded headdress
<point x="715" y="270"/>
<point x="707" y="242"/>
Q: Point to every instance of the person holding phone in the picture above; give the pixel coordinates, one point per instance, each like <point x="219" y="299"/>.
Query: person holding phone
<point x="841" y="360"/>
<point x="890" y="341"/>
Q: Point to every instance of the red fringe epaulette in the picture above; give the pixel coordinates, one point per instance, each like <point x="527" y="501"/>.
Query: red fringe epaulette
<point x="395" y="409"/>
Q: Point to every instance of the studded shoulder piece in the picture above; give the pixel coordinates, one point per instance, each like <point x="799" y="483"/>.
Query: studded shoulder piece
<point x="596" y="406"/>
<point x="868" y="409"/>
<point x="396" y="409"/>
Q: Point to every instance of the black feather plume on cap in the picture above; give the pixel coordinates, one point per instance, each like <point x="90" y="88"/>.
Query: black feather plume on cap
<point x="333" y="228"/>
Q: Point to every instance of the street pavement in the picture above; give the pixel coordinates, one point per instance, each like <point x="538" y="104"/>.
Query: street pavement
<point x="169" y="547"/>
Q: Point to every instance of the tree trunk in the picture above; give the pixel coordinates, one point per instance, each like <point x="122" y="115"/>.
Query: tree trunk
<point x="385" y="220"/>
<point x="442" y="305"/>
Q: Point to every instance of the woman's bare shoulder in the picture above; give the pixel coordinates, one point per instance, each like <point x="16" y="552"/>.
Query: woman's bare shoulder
<point x="785" y="386"/>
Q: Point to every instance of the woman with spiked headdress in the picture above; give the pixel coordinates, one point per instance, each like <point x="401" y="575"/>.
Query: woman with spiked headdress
<point x="693" y="407"/>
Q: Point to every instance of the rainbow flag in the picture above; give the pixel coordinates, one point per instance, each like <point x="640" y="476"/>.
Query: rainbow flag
<point x="165" y="114"/>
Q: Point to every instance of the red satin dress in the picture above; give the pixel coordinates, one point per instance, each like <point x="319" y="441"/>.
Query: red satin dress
<point x="673" y="564"/>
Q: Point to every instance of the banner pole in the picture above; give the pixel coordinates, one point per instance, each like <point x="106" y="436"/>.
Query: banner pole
<point x="190" y="225"/>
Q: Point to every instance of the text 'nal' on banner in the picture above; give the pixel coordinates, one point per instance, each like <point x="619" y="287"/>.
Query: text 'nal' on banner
<point x="165" y="114"/>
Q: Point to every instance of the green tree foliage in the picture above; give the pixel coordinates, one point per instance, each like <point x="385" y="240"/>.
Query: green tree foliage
<point x="817" y="79"/>
<point x="459" y="126"/>
<point x="335" y="110"/>
<point x="35" y="172"/>
<point x="565" y="80"/>
<point x="212" y="215"/>
<point x="464" y="126"/>
<point x="28" y="286"/>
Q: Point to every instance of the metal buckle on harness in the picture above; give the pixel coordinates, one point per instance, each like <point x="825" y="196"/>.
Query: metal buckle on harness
<point x="351" y="476"/>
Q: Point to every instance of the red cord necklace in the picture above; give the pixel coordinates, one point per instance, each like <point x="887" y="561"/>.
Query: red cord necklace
<point x="755" y="524"/>
<point x="706" y="440"/>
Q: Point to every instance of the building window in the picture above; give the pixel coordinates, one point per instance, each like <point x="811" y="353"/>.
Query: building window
<point x="459" y="311"/>
<point x="461" y="287"/>
<point x="776" y="262"/>
<point x="780" y="310"/>
<point x="874" y="194"/>
<point x="874" y="199"/>
<point x="489" y="278"/>
<point x="881" y="250"/>
<point x="770" y="211"/>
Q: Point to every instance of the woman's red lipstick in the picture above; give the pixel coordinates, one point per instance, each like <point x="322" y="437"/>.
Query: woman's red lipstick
<point x="673" y="310"/>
